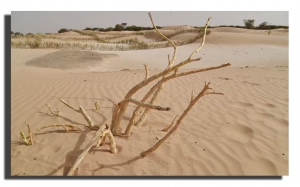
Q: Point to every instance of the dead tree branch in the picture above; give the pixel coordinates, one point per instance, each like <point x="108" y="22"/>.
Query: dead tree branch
<point x="53" y="113"/>
<point x="83" y="112"/>
<point x="186" y="111"/>
<point x="102" y="131"/>
<point x="147" y="71"/>
<point x="145" y="82"/>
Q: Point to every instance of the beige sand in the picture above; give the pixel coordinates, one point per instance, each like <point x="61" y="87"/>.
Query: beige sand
<point x="244" y="132"/>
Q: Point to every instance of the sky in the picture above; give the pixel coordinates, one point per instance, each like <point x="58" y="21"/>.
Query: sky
<point x="52" y="21"/>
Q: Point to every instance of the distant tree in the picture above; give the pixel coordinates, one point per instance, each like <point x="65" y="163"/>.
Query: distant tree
<point x="95" y="29"/>
<point x="88" y="28"/>
<point x="109" y="29"/>
<point x="101" y="29"/>
<point x="249" y="23"/>
<point x="29" y="34"/>
<point x="63" y="30"/>
<point x="118" y="27"/>
<point x="11" y="32"/>
<point x="18" y="34"/>
<point x="123" y="25"/>
<point x="147" y="28"/>
<point x="263" y="25"/>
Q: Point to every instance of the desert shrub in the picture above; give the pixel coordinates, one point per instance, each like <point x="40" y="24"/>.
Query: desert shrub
<point x="118" y="27"/>
<point x="249" y="23"/>
<point x="88" y="29"/>
<point x="109" y="29"/>
<point x="36" y="43"/>
<point x="62" y="30"/>
<point x="18" y="34"/>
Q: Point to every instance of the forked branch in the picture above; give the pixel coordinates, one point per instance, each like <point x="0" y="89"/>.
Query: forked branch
<point x="186" y="111"/>
<point x="102" y="131"/>
<point x="83" y="112"/>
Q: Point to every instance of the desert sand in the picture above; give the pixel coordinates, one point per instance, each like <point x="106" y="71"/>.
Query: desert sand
<point x="243" y="132"/>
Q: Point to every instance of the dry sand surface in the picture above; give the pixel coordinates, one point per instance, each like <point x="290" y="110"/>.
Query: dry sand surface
<point x="243" y="132"/>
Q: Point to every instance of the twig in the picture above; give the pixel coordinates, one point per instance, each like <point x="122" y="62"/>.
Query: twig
<point x="169" y="126"/>
<point x="154" y="107"/>
<point x="65" y="126"/>
<point x="144" y="83"/>
<point x="54" y="114"/>
<point x="30" y="134"/>
<point x="192" y="95"/>
<point x="96" y="105"/>
<point x="86" y="117"/>
<point x="102" y="131"/>
<point x="83" y="112"/>
<point x="186" y="111"/>
<point x="147" y="71"/>
<point x="68" y="105"/>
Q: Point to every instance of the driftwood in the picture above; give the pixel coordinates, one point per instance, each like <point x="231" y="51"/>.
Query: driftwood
<point x="186" y="111"/>
<point x="142" y="110"/>
<point x="102" y="131"/>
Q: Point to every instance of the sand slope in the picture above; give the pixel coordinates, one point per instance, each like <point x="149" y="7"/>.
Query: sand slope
<point x="243" y="132"/>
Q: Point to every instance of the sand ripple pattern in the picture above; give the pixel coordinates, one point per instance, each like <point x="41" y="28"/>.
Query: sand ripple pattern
<point x="244" y="132"/>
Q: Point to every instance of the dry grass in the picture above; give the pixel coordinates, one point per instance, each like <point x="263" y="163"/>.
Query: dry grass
<point x="105" y="43"/>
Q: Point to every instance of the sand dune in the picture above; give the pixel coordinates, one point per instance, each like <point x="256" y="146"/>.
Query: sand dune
<point x="243" y="132"/>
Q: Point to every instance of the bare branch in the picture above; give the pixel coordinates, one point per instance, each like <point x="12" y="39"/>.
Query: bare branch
<point x="169" y="126"/>
<point x="30" y="134"/>
<point x="96" y="105"/>
<point x="82" y="111"/>
<point x="86" y="117"/>
<point x="172" y="43"/>
<point x="67" y="127"/>
<point x="146" y="105"/>
<point x="147" y="72"/>
<point x="146" y="111"/>
<point x="203" y="39"/>
<point x="54" y="114"/>
<point x="186" y="111"/>
<point x="103" y="130"/>
<point x="156" y="86"/>
<point x="68" y="105"/>
<point x="115" y="112"/>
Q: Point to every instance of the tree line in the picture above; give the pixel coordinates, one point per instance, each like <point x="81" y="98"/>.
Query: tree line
<point x="248" y="24"/>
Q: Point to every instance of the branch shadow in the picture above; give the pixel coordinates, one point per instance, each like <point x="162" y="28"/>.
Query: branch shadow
<point x="104" y="118"/>
<point x="16" y="143"/>
<point x="72" y="156"/>
<point x="65" y="118"/>
<point x="103" y="166"/>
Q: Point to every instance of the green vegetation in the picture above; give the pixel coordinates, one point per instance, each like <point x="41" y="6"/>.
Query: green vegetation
<point x="249" y="23"/>
<point x="62" y="30"/>
<point x="91" y="34"/>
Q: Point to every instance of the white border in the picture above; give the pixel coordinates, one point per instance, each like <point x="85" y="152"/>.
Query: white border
<point x="186" y="5"/>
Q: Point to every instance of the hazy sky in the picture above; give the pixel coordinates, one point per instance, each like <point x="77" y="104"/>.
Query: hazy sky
<point x="43" y="22"/>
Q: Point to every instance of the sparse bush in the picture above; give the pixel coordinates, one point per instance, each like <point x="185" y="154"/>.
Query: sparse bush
<point x="18" y="34"/>
<point x="62" y="30"/>
<point x="118" y="27"/>
<point x="109" y="29"/>
<point x="249" y="23"/>
<point x="263" y="25"/>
